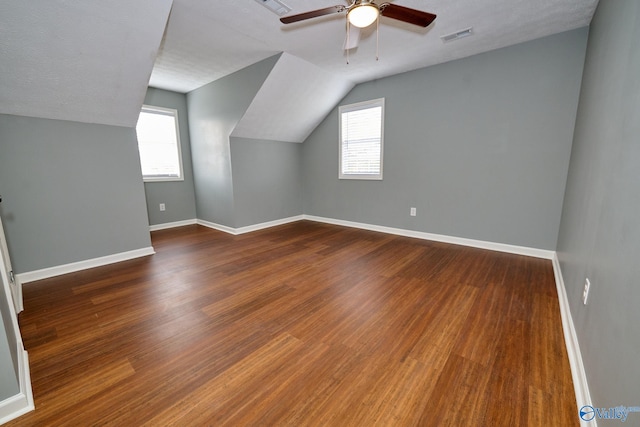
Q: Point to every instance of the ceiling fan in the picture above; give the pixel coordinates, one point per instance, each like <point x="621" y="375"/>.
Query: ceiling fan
<point x="362" y="13"/>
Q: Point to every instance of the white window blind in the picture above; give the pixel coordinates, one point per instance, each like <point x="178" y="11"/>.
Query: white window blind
<point x="361" y="140"/>
<point x="159" y="144"/>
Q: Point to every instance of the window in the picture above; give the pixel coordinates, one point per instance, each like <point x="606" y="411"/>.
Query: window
<point x="159" y="144"/>
<point x="361" y="134"/>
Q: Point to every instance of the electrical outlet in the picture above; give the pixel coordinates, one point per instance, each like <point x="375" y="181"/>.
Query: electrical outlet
<point x="585" y="293"/>
<point x="162" y="207"/>
<point x="412" y="212"/>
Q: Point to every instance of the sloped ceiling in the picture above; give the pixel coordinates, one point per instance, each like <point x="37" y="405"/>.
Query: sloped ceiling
<point x="92" y="60"/>
<point x="286" y="109"/>
<point x="86" y="61"/>
<point x="206" y="40"/>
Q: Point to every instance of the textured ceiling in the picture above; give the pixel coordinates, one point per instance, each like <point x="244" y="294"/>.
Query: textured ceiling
<point x="206" y="40"/>
<point x="91" y="60"/>
<point x="302" y="103"/>
<point x="86" y="61"/>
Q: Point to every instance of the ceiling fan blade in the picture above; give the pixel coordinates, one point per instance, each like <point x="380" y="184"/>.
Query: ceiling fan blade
<point x="405" y="14"/>
<point x="353" y="37"/>
<point x="313" y="14"/>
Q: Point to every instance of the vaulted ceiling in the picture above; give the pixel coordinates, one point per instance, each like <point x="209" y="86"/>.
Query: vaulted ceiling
<point x="91" y="61"/>
<point x="206" y="40"/>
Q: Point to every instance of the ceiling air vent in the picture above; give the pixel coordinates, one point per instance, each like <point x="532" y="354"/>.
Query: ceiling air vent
<point x="275" y="6"/>
<point x="457" y="35"/>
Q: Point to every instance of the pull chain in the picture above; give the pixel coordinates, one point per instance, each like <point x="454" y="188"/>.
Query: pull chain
<point x="348" y="41"/>
<point x="377" y="35"/>
<point x="348" y="45"/>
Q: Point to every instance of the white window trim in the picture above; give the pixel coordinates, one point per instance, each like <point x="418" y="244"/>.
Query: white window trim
<point x="354" y="107"/>
<point x="170" y="112"/>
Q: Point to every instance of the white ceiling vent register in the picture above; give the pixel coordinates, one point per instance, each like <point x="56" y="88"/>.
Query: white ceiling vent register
<point x="457" y="35"/>
<point x="275" y="6"/>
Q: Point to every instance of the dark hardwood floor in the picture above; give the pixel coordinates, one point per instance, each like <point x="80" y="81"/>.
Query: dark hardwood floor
<point x="302" y="324"/>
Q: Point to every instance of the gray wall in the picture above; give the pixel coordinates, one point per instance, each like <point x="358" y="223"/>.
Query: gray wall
<point x="480" y="146"/>
<point x="600" y="230"/>
<point x="266" y="180"/>
<point x="214" y="110"/>
<point x="71" y="191"/>
<point x="178" y="196"/>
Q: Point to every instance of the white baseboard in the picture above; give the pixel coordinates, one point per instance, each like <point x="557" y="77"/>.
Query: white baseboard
<point x="45" y="273"/>
<point x="578" y="373"/>
<point x="22" y="402"/>
<point x="500" y="247"/>
<point x="263" y="225"/>
<point x="249" y="228"/>
<point x="174" y="224"/>
<point x="215" y="226"/>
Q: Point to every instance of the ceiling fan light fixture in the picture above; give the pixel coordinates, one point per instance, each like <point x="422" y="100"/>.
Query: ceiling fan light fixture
<point x="363" y="15"/>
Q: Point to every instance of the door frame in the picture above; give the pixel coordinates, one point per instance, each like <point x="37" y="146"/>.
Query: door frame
<point x="7" y="272"/>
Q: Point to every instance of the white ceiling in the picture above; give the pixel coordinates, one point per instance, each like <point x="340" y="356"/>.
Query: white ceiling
<point x="206" y="40"/>
<point x="91" y="60"/>
<point x="86" y="61"/>
<point x="289" y="109"/>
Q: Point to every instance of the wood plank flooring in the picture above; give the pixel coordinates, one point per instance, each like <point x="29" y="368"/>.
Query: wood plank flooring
<point x="304" y="324"/>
